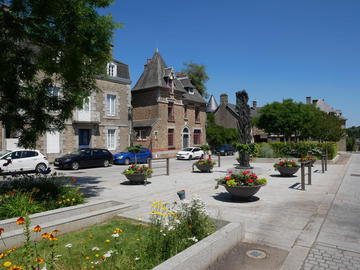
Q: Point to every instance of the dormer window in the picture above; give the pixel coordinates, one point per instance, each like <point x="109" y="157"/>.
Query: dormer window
<point x="111" y="70"/>
<point x="191" y="91"/>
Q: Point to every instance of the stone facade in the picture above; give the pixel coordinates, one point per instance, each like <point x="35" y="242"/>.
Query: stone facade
<point x="164" y="108"/>
<point x="96" y="125"/>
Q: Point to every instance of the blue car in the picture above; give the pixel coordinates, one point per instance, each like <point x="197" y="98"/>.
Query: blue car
<point x="126" y="158"/>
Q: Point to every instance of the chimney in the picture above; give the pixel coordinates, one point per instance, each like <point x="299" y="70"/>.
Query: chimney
<point x="254" y="104"/>
<point x="308" y="100"/>
<point x="224" y="99"/>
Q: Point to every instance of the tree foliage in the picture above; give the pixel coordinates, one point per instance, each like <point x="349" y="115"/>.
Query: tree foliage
<point x="198" y="76"/>
<point x="304" y="121"/>
<point x="46" y="44"/>
<point x="217" y="135"/>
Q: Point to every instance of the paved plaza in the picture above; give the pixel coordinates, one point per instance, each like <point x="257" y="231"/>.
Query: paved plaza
<point x="314" y="228"/>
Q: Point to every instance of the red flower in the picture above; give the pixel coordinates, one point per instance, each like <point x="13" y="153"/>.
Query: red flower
<point x="230" y="172"/>
<point x="73" y="179"/>
<point x="20" y="221"/>
<point x="209" y="159"/>
<point x="250" y="180"/>
<point x="227" y="178"/>
<point x="254" y="175"/>
<point x="132" y="165"/>
<point x="280" y="163"/>
<point x="37" y="229"/>
<point x="244" y="173"/>
<point x="1" y="230"/>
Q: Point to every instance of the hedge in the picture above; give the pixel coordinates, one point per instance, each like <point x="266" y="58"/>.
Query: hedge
<point x="297" y="149"/>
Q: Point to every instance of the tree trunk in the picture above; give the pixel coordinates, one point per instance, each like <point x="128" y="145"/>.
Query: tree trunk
<point x="244" y="160"/>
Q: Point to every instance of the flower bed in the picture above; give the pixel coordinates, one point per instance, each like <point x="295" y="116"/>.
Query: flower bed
<point x="118" y="244"/>
<point x="245" y="178"/>
<point x="205" y="165"/>
<point x="287" y="167"/>
<point x="27" y="195"/>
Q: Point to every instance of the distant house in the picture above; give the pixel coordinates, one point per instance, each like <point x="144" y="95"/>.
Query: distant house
<point x="102" y="122"/>
<point x="168" y="112"/>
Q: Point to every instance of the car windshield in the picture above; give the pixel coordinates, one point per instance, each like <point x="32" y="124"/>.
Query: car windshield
<point x="187" y="149"/>
<point x="2" y="153"/>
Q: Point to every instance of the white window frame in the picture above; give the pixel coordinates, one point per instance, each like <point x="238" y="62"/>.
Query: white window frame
<point x="110" y="105"/>
<point x="86" y="104"/>
<point x="111" y="69"/>
<point x="111" y="139"/>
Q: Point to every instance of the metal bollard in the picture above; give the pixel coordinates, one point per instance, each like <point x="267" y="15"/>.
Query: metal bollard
<point x="149" y="165"/>
<point x="326" y="159"/>
<point x="167" y="166"/>
<point x="309" y="173"/>
<point x="218" y="160"/>
<point x="302" y="175"/>
<point x="323" y="163"/>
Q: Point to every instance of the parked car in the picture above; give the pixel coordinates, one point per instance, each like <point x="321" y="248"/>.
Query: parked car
<point x="85" y="157"/>
<point x="190" y="153"/>
<point x="225" y="150"/>
<point x="126" y="157"/>
<point x="22" y="161"/>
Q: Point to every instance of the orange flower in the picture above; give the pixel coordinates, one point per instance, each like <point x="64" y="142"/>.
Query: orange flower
<point x="2" y="255"/>
<point x="55" y="231"/>
<point x="39" y="260"/>
<point x="1" y="230"/>
<point x="117" y="230"/>
<point x="16" y="267"/>
<point x="37" y="229"/>
<point x="73" y="179"/>
<point x="52" y="237"/>
<point x="45" y="235"/>
<point x="20" y="221"/>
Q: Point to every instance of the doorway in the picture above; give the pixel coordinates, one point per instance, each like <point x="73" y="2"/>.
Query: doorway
<point x="186" y="138"/>
<point x="84" y="138"/>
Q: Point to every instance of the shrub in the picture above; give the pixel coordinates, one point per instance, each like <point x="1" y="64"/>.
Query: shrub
<point x="266" y="151"/>
<point x="207" y="161"/>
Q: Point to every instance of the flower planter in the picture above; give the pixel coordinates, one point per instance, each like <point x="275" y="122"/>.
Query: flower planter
<point x="287" y="171"/>
<point x="242" y="192"/>
<point x="136" y="178"/>
<point x="204" y="167"/>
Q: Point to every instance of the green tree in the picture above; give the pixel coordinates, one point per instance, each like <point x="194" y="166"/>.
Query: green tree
<point x="198" y="76"/>
<point x="217" y="135"/>
<point x="328" y="128"/>
<point x="45" y="44"/>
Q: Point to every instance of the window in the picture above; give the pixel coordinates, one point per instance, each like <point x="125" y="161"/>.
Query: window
<point x="110" y="105"/>
<point x="27" y="154"/>
<point x="86" y="105"/>
<point x="142" y="133"/>
<point x="54" y="91"/>
<point x="185" y="112"/>
<point x="111" y="139"/>
<point x="191" y="91"/>
<point x="197" y="115"/>
<point x="171" y="111"/>
<point x="16" y="155"/>
<point x="111" y="70"/>
<point x="197" y="136"/>
<point x="170" y="137"/>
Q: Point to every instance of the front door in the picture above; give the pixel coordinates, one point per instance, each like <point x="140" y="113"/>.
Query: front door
<point x="185" y="140"/>
<point x="84" y="138"/>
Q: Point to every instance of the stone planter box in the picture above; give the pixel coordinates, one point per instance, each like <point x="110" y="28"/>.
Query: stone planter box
<point x="242" y="192"/>
<point x="285" y="171"/>
<point x="204" y="167"/>
<point x="136" y="178"/>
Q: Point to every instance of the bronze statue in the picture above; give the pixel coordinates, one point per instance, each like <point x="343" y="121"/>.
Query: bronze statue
<point x="243" y="124"/>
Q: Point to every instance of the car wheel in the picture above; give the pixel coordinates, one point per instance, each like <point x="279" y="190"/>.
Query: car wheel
<point x="40" y="167"/>
<point x="127" y="161"/>
<point x="106" y="163"/>
<point x="75" y="165"/>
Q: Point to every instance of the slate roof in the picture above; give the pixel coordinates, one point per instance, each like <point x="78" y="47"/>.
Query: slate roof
<point x="253" y="112"/>
<point x="212" y="105"/>
<point x="196" y="97"/>
<point x="153" y="75"/>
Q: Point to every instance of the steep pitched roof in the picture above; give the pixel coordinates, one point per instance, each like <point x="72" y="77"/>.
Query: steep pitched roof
<point x="212" y="105"/>
<point x="195" y="97"/>
<point x="153" y="75"/>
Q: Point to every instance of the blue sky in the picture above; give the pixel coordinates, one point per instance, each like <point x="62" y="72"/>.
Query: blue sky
<point x="274" y="49"/>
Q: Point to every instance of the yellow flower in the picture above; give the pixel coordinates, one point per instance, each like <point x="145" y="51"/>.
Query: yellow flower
<point x="97" y="255"/>
<point x="117" y="230"/>
<point x="39" y="260"/>
<point x="20" y="221"/>
<point x="68" y="199"/>
<point x="159" y="213"/>
<point x="165" y="208"/>
<point x="16" y="267"/>
<point x="73" y="199"/>
<point x="37" y="229"/>
<point x="107" y="241"/>
<point x="87" y="258"/>
<point x="11" y="250"/>
<point x="7" y="264"/>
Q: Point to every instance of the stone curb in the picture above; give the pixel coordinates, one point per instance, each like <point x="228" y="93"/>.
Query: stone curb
<point x="204" y="253"/>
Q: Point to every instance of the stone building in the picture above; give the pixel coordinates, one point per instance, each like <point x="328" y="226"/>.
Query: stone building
<point x="168" y="112"/>
<point x="102" y="122"/>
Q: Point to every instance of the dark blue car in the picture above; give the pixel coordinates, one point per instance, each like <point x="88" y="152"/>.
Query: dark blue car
<point x="126" y="157"/>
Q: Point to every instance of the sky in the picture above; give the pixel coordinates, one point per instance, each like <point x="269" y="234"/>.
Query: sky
<point x="275" y="49"/>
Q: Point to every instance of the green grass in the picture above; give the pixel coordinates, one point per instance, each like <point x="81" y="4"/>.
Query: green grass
<point x="130" y="246"/>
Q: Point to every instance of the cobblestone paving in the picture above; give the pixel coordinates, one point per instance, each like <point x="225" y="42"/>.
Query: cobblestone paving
<point x="324" y="257"/>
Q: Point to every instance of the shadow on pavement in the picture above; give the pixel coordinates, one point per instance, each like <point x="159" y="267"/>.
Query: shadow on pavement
<point x="226" y="197"/>
<point x="89" y="186"/>
<point x="129" y="183"/>
<point x="280" y="176"/>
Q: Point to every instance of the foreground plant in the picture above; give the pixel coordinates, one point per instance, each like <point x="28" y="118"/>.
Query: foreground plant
<point x="138" y="169"/>
<point x="245" y="178"/>
<point x="286" y="163"/>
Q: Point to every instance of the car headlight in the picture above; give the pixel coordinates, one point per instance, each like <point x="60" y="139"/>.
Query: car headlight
<point x="120" y="157"/>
